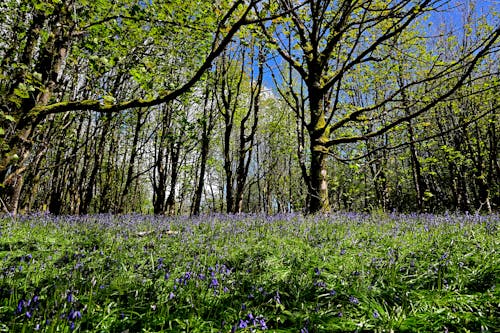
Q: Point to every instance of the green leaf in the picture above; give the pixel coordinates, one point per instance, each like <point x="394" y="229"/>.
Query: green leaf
<point x="21" y="91"/>
<point x="9" y="118"/>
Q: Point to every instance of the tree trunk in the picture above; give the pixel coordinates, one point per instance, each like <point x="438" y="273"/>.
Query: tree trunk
<point x="205" y="146"/>
<point x="319" y="201"/>
<point x="170" y="203"/>
<point x="131" y="163"/>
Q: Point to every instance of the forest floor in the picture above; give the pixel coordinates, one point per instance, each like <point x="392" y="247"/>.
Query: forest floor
<point x="343" y="272"/>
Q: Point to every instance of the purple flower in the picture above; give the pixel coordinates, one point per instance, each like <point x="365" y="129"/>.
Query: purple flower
<point x="214" y="283"/>
<point x="320" y="284"/>
<point x="74" y="315"/>
<point x="171" y="295"/>
<point x="353" y="300"/>
<point x="242" y="324"/>
<point x="28" y="314"/>
<point x="277" y="297"/>
<point x="20" y="306"/>
<point x="262" y="323"/>
<point x="70" y="298"/>
<point x="376" y="314"/>
<point x="342" y="252"/>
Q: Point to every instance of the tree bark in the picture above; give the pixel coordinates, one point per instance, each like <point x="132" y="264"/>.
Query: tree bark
<point x="319" y="136"/>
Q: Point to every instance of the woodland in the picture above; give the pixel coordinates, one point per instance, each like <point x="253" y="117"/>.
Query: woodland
<point x="256" y="106"/>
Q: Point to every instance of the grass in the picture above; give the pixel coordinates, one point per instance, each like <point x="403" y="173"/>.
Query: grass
<point x="220" y="273"/>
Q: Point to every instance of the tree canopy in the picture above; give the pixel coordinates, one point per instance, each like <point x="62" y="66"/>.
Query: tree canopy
<point x="257" y="106"/>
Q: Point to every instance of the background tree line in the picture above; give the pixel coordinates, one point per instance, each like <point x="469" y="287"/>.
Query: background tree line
<point x="249" y="106"/>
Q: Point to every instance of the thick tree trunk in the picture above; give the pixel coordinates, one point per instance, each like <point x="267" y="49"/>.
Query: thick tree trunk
<point x="319" y="200"/>
<point x="319" y="134"/>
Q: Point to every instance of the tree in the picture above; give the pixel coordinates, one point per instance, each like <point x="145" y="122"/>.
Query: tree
<point x="330" y="40"/>
<point x="240" y="74"/>
<point x="41" y="36"/>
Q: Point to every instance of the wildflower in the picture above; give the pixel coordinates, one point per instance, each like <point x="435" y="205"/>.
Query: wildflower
<point x="71" y="326"/>
<point x="70" y="298"/>
<point x="376" y="314"/>
<point x="74" y="315"/>
<point x="342" y="252"/>
<point x="353" y="300"/>
<point x="171" y="295"/>
<point x="28" y="314"/>
<point x="304" y="330"/>
<point x="277" y="297"/>
<point x="20" y="306"/>
<point x="242" y="324"/>
<point x="262" y="323"/>
<point x="214" y="283"/>
<point x="317" y="271"/>
<point x="333" y="292"/>
<point x="320" y="284"/>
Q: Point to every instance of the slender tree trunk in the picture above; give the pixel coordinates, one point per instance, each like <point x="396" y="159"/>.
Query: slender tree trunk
<point x="228" y="167"/>
<point x="205" y="147"/>
<point x="131" y="163"/>
<point x="207" y="126"/>
<point x="98" y="154"/>
<point x="170" y="203"/>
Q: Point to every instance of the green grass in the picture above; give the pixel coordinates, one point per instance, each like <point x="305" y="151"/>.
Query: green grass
<point x="337" y="273"/>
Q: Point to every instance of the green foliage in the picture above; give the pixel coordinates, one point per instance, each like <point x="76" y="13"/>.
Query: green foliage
<point x="336" y="273"/>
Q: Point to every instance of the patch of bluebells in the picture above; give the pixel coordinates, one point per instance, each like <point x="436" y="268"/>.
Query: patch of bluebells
<point x="219" y="278"/>
<point x="250" y="322"/>
<point x="28" y="306"/>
